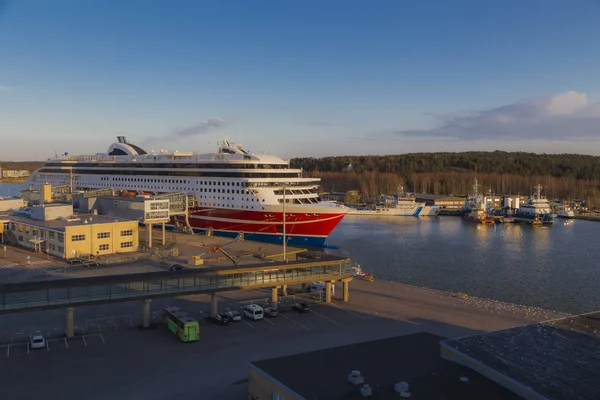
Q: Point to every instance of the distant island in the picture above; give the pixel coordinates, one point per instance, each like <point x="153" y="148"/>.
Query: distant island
<point x="564" y="176"/>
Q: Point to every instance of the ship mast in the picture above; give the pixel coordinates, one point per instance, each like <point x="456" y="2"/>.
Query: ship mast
<point x="538" y="189"/>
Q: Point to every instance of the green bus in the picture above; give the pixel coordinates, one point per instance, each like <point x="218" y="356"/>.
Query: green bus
<point x="181" y="324"/>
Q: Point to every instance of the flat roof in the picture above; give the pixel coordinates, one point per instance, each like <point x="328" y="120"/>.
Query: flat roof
<point x="61" y="225"/>
<point x="438" y="196"/>
<point x="557" y="359"/>
<point x="127" y="198"/>
<point x="415" y="359"/>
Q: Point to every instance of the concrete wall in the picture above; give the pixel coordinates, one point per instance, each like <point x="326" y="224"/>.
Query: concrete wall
<point x="262" y="386"/>
<point x="91" y="244"/>
<point x="55" y="211"/>
<point x="11" y="204"/>
<point x="120" y="208"/>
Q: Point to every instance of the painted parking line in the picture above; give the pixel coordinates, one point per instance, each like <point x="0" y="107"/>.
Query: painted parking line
<point x="247" y="323"/>
<point x="325" y="318"/>
<point x="348" y="311"/>
<point x="84" y="342"/>
<point x="296" y="322"/>
<point x="269" y="321"/>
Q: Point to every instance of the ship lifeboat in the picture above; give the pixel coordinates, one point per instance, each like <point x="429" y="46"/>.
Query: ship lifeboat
<point x="129" y="193"/>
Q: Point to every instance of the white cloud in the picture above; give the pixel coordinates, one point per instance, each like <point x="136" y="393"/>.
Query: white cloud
<point x="568" y="115"/>
<point x="567" y="103"/>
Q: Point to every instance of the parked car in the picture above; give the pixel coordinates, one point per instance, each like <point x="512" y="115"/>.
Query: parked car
<point x="91" y="263"/>
<point x="176" y="267"/>
<point x="300" y="307"/>
<point x="221" y="319"/>
<point x="37" y="342"/>
<point x="75" y="260"/>
<point x="233" y="315"/>
<point x="254" y="312"/>
<point x="269" y="312"/>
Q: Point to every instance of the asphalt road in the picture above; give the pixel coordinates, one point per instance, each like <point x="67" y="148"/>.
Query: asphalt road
<point x="112" y="358"/>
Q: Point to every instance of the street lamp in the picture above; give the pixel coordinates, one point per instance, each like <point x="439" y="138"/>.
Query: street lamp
<point x="284" y="238"/>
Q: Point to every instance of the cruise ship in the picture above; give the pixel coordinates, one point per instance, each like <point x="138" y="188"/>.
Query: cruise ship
<point x="235" y="190"/>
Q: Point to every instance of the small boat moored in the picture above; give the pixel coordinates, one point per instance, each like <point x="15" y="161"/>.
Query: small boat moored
<point x="357" y="272"/>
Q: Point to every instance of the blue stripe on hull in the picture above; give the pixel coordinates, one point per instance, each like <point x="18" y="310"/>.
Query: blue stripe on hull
<point x="306" y="241"/>
<point x="418" y="211"/>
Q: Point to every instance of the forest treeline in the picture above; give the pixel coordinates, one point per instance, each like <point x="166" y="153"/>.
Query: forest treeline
<point x="565" y="176"/>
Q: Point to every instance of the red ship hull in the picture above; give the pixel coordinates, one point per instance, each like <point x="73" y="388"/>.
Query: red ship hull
<point x="304" y="229"/>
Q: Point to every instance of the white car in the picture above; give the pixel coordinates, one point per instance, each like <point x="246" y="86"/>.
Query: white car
<point x="37" y="342"/>
<point x="254" y="312"/>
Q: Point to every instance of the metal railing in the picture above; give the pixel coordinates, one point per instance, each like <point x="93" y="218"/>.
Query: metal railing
<point x="86" y="291"/>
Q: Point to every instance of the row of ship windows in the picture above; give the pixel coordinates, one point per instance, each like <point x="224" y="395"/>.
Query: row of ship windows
<point x="152" y="180"/>
<point x="209" y="183"/>
<point x="203" y="183"/>
<point x="175" y="165"/>
<point x="120" y="172"/>
<point x="294" y="201"/>
<point x="210" y="204"/>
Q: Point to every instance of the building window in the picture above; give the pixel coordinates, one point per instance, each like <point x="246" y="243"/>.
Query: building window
<point x="125" y="245"/>
<point x="20" y="238"/>
<point x="103" y="247"/>
<point x="61" y="237"/>
<point x="77" y="238"/>
<point x="61" y="249"/>
<point x="128" y="232"/>
<point x="103" y="235"/>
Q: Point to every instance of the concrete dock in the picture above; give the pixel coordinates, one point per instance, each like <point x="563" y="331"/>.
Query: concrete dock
<point x="110" y="358"/>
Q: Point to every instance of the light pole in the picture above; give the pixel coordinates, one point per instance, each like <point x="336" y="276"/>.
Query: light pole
<point x="284" y="238"/>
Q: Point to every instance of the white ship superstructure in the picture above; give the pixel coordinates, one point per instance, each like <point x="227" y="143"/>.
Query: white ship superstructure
<point x="404" y="205"/>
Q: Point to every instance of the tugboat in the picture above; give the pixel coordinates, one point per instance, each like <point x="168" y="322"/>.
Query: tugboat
<point x="474" y="208"/>
<point x="536" y="211"/>
<point x="357" y="272"/>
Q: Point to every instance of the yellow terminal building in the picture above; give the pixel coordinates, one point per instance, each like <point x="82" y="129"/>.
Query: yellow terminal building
<point x="54" y="229"/>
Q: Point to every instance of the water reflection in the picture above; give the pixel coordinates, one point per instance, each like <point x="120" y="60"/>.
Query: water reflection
<point x="542" y="266"/>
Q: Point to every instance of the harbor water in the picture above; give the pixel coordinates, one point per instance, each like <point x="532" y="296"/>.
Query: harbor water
<point x="553" y="267"/>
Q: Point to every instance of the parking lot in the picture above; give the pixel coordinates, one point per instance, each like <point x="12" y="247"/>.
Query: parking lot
<point x="111" y="357"/>
<point x="106" y="324"/>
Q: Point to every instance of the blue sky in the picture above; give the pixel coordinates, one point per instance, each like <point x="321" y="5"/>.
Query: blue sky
<point x="299" y="78"/>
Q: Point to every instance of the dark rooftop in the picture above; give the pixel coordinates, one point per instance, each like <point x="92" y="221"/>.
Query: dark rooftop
<point x="558" y="359"/>
<point x="415" y="359"/>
